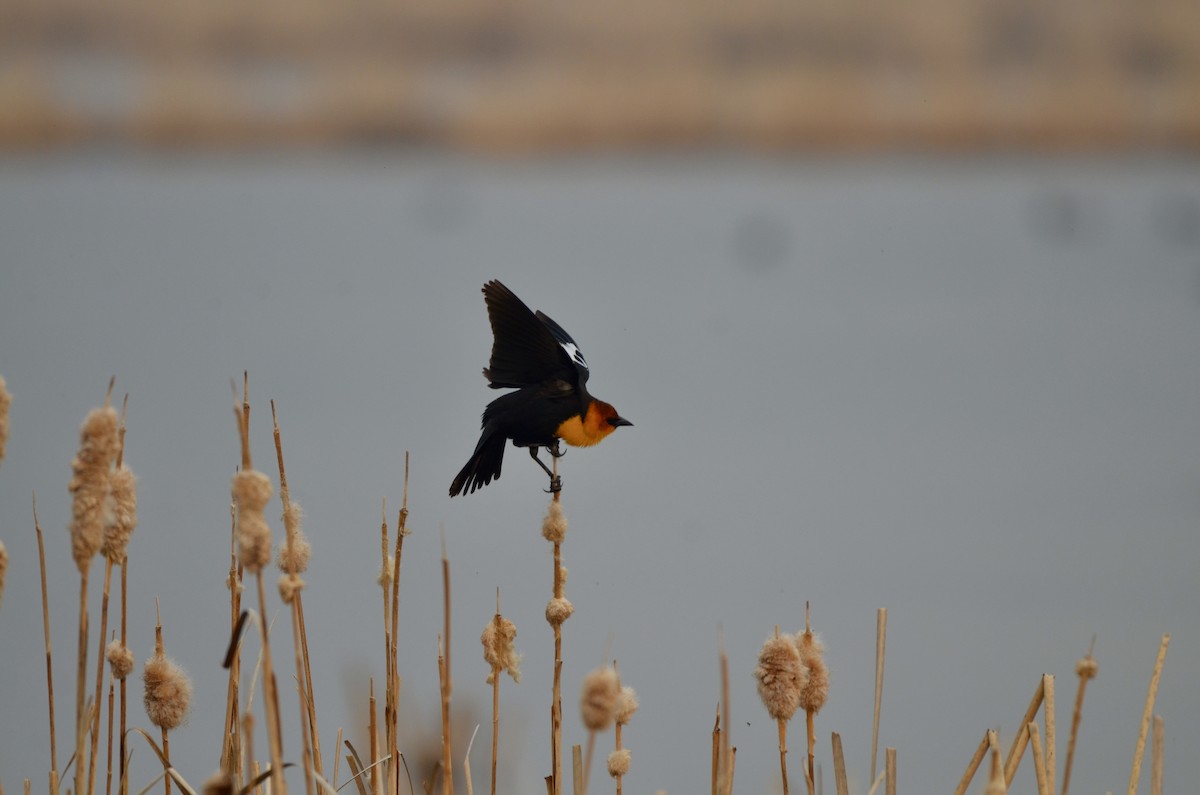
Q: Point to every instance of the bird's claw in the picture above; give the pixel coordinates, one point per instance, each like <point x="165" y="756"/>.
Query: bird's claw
<point x="555" y="485"/>
<point x="556" y="450"/>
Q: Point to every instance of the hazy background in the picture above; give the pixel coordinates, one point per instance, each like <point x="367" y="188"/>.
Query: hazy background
<point x="905" y="306"/>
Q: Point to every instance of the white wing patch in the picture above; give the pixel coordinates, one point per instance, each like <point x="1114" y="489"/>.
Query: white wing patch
<point x="574" y="353"/>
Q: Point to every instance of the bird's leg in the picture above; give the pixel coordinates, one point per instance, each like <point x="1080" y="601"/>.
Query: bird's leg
<point x="556" y="450"/>
<point x="555" y="480"/>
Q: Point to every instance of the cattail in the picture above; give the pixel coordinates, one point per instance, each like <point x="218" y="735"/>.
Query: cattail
<point x="124" y="514"/>
<point x="120" y="659"/>
<point x="385" y="573"/>
<point x="554" y="526"/>
<point x="559" y="610"/>
<point x="218" y="783"/>
<point x="781" y="676"/>
<point x="168" y="692"/>
<point x="816" y="689"/>
<point x="289" y="586"/>
<point x="296" y="550"/>
<point x="3" y="561"/>
<point x="5" y="402"/>
<point x="618" y="762"/>
<point x="627" y="704"/>
<point x="252" y="490"/>
<point x="1087" y="667"/>
<point x="598" y="702"/>
<point x="499" y="650"/>
<point x="91" y="505"/>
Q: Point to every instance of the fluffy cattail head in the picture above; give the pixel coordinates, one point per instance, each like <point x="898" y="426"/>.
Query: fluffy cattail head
<point x="218" y="783"/>
<point x="168" y="692"/>
<point x="3" y="569"/>
<point x="559" y="610"/>
<point x="627" y="704"/>
<point x="554" y="526"/>
<point x="1087" y="667"/>
<point x="816" y="689"/>
<point x="91" y="504"/>
<point x="598" y="701"/>
<point x="618" y="762"/>
<point x="120" y="659"/>
<point x="296" y="550"/>
<point x="781" y="676"/>
<point x="252" y="490"/>
<point x="499" y="650"/>
<point x="5" y="402"/>
<point x="124" y="514"/>
<point x="289" y="586"/>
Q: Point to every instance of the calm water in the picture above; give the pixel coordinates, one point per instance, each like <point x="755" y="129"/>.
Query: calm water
<point x="964" y="390"/>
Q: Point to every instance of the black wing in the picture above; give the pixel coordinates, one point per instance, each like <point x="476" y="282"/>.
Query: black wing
<point x="527" y="349"/>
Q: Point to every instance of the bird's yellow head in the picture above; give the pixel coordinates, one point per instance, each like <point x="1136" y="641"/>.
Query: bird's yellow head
<point x="588" y="429"/>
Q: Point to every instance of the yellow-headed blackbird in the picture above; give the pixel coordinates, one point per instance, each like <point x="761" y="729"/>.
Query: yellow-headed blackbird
<point x="535" y="356"/>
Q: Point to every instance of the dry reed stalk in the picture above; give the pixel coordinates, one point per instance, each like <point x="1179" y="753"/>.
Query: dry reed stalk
<point x="293" y="561"/>
<point x="393" y="683"/>
<point x="558" y="610"/>
<point x="889" y="755"/>
<point x="577" y="784"/>
<point x="5" y="402"/>
<point x="373" y="728"/>
<point x="46" y="629"/>
<point x="123" y="781"/>
<point x="1157" y="749"/>
<point x="385" y="581"/>
<point x="1139" y="750"/>
<point x="231" y="747"/>
<point x="252" y="490"/>
<point x="996" y="785"/>
<point x="467" y="761"/>
<point x="444" y="677"/>
<point x="973" y="765"/>
<point x="1051" y="758"/>
<point x="1086" y="668"/>
<point x="1039" y="760"/>
<point x="727" y="750"/>
<point x="108" y="763"/>
<point x="1019" y="742"/>
<point x="337" y="758"/>
<point x="716" y="749"/>
<point x="839" y="765"/>
<point x="880" y="651"/>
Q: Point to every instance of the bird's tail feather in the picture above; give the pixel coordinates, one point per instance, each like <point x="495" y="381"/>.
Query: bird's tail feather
<point x="484" y="466"/>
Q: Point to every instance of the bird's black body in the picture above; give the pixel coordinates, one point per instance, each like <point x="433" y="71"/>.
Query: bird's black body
<point x="535" y="356"/>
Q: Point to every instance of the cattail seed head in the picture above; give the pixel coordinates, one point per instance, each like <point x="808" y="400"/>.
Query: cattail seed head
<point x="296" y="550"/>
<point x="627" y="704"/>
<point x="618" y="762"/>
<point x="1087" y="667"/>
<point x="499" y="650"/>
<point x="559" y="610"/>
<point x="120" y="659"/>
<point x="168" y="692"/>
<point x="816" y="689"/>
<point x="91" y="504"/>
<point x="3" y="569"/>
<point x="781" y="676"/>
<point x="289" y="586"/>
<point x="385" y="572"/>
<point x="5" y="402"/>
<point x="124" y="514"/>
<point x="218" y="783"/>
<point x="554" y="526"/>
<point x="252" y="490"/>
<point x="598" y="701"/>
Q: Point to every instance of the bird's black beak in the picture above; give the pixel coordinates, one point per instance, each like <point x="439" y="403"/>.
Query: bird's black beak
<point x="618" y="421"/>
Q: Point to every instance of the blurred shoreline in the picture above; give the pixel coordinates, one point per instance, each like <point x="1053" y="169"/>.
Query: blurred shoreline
<point x="521" y="76"/>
